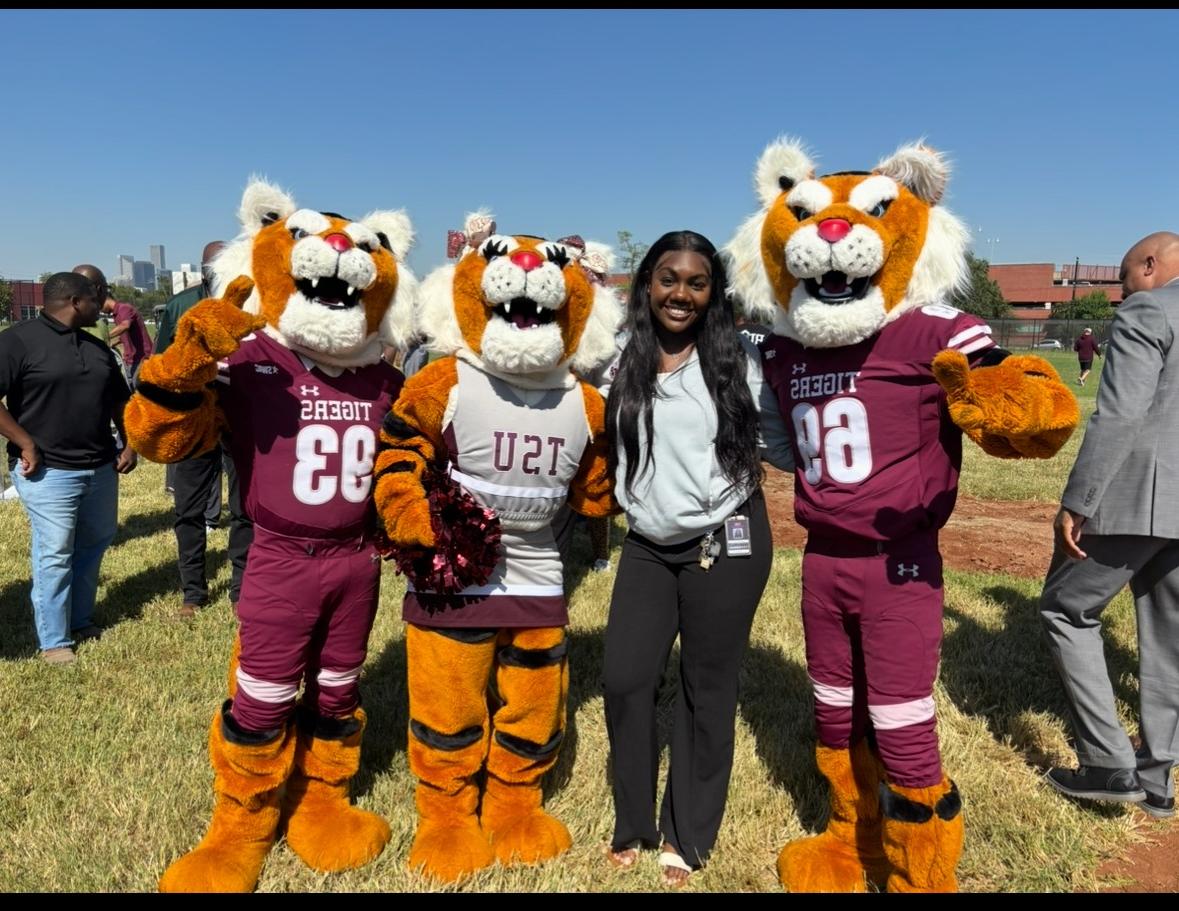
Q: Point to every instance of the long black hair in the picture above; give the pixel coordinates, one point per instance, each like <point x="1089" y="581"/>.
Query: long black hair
<point x="722" y="362"/>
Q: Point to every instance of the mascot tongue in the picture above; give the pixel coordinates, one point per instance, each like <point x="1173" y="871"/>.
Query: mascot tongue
<point x="525" y="320"/>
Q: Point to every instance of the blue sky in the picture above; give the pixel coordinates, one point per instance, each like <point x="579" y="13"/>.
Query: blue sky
<point x="126" y="129"/>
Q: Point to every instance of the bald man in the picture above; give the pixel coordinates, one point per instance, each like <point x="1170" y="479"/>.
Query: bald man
<point x="1119" y="524"/>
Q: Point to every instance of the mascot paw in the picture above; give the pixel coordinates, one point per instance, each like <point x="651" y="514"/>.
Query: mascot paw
<point x="528" y="839"/>
<point x="410" y="525"/>
<point x="213" y="869"/>
<point x="1017" y="409"/>
<point x="219" y="324"/>
<point x="824" y="863"/>
<point x="347" y="838"/>
<point x="450" y="849"/>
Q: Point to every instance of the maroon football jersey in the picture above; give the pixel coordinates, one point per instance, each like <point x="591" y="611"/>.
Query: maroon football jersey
<point x="304" y="442"/>
<point x="876" y="452"/>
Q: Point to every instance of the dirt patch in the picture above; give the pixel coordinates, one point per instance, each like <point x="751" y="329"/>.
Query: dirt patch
<point x="1150" y="867"/>
<point x="988" y="536"/>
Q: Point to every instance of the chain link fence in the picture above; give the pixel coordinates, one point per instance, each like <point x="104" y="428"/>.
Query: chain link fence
<point x="1014" y="334"/>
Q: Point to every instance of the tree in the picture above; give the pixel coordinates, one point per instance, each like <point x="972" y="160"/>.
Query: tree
<point x="45" y="276"/>
<point x="982" y="296"/>
<point x="630" y="252"/>
<point x="164" y="283"/>
<point x="5" y="300"/>
<point x="1092" y="306"/>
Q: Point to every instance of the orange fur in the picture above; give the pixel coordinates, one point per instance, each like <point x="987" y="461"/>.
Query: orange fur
<point x="901" y="229"/>
<point x="473" y="313"/>
<point x="246" y="780"/>
<point x="322" y="826"/>
<point x="399" y="496"/>
<point x="923" y="855"/>
<point x="1017" y="409"/>
<point x="592" y="491"/>
<point x="849" y="849"/>
<point x="211" y="330"/>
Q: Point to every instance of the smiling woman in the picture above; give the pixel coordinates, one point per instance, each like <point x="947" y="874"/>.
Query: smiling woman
<point x="685" y="453"/>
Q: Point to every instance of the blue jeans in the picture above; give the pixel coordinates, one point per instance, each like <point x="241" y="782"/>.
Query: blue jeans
<point x="73" y="515"/>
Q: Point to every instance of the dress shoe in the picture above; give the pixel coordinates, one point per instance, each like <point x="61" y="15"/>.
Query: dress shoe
<point x="1119" y="785"/>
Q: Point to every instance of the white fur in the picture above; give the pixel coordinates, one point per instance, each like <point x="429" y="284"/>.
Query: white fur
<point x="785" y="157"/>
<point x="503" y="281"/>
<point x="746" y="271"/>
<point x="876" y="189"/>
<point x="313" y="328"/>
<point x="309" y="220"/>
<point x="501" y="242"/>
<point x="820" y="325"/>
<point x="859" y="253"/>
<point x="510" y="350"/>
<point x="260" y="201"/>
<point x="810" y="195"/>
<point x="598" y="343"/>
<point x="434" y="318"/>
<point x="364" y="237"/>
<point x="923" y="170"/>
<point x="397" y="325"/>
<point x="396" y="226"/>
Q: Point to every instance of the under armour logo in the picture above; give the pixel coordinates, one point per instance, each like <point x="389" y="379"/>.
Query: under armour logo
<point x="308" y="390"/>
<point x="799" y="368"/>
<point x="265" y="368"/>
<point x="911" y="571"/>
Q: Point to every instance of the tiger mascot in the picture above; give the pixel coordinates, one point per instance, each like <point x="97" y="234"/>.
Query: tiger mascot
<point x="506" y="417"/>
<point x="881" y="376"/>
<point x="295" y="377"/>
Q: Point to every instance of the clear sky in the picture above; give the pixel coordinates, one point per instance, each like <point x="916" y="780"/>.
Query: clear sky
<point x="124" y="129"/>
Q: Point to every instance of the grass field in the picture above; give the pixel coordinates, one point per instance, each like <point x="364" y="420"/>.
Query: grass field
<point x="104" y="775"/>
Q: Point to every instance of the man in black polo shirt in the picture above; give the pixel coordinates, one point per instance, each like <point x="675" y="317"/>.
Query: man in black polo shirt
<point x="63" y="389"/>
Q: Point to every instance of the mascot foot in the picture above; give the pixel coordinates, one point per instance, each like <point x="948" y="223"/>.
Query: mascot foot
<point x="450" y="850"/>
<point x="520" y="830"/>
<point x="322" y="826"/>
<point x="848" y="855"/>
<point x="247" y="778"/>
<point x="449" y="844"/>
<point x="922" y="836"/>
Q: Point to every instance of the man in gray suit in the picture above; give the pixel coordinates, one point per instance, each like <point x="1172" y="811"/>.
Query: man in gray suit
<point x="1119" y="524"/>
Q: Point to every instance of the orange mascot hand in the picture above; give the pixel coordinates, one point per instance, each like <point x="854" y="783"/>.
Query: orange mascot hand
<point x="1017" y="409"/>
<point x="210" y="331"/>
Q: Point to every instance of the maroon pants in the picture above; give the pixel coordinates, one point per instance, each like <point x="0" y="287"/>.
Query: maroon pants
<point x="873" y="623"/>
<point x="307" y="606"/>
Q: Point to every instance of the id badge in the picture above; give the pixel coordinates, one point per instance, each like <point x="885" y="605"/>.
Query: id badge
<point x="737" y="543"/>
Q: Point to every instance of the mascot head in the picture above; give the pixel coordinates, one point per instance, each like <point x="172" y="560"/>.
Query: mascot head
<point x="522" y="304"/>
<point x="328" y="287"/>
<point x="834" y="258"/>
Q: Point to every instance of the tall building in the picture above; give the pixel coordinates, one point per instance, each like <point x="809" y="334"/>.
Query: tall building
<point x="157" y="256"/>
<point x="145" y="276"/>
<point x="126" y="273"/>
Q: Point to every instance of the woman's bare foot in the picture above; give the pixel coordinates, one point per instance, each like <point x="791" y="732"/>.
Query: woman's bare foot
<point x="622" y="857"/>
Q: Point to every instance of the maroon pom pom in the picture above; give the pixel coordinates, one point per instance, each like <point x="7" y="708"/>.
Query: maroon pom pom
<point x="466" y="540"/>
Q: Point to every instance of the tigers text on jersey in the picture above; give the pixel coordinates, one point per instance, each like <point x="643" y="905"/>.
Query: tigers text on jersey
<point x="516" y="452"/>
<point x="304" y="442"/>
<point x="877" y="455"/>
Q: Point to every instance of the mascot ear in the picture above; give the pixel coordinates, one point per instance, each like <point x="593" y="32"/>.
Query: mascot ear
<point x="394" y="229"/>
<point x="924" y="171"/>
<point x="262" y="204"/>
<point x="784" y="163"/>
